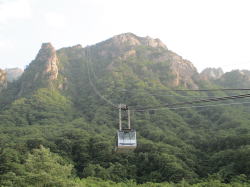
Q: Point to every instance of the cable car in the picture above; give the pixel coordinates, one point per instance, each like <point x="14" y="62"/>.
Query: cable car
<point x="126" y="140"/>
<point x="126" y="137"/>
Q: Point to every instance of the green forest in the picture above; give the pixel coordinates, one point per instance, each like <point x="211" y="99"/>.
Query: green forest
<point x="57" y="132"/>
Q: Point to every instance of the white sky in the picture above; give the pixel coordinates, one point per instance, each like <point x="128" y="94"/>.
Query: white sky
<point x="209" y="33"/>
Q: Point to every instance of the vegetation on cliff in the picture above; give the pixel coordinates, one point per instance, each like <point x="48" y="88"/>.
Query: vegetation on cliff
<point x="56" y="131"/>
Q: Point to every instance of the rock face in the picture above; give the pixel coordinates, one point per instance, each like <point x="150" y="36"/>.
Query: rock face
<point x="13" y="74"/>
<point x="139" y="57"/>
<point x="41" y="71"/>
<point x="235" y="79"/>
<point x="122" y="57"/>
<point x="3" y="80"/>
<point x="47" y="57"/>
<point x="211" y="73"/>
<point x="125" y="47"/>
<point x="184" y="72"/>
<point x="124" y="43"/>
<point x="130" y="39"/>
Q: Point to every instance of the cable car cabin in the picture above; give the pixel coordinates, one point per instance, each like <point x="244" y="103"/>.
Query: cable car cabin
<point x="126" y="137"/>
<point x="126" y="140"/>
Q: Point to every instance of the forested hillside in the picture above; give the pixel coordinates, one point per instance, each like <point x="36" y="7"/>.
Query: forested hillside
<point x="58" y="125"/>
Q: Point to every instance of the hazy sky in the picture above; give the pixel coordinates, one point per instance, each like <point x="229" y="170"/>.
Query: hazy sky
<point x="209" y="33"/>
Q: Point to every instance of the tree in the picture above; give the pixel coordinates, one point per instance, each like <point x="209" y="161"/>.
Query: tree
<point x="44" y="168"/>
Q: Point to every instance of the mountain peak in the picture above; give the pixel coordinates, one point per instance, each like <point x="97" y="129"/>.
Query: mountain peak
<point x="78" y="46"/>
<point x="47" y="50"/>
<point x="48" y="57"/>
<point x="47" y="46"/>
<point x="211" y="73"/>
<point x="154" y="42"/>
<point x="126" y="38"/>
<point x="40" y="71"/>
<point x="131" y="39"/>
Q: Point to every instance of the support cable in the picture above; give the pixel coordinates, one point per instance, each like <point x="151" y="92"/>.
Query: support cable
<point x="186" y="107"/>
<point x="94" y="87"/>
<point x="198" y="90"/>
<point x="196" y="101"/>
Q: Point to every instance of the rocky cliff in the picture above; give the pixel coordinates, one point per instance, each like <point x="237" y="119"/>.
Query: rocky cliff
<point x="41" y="71"/>
<point x="3" y="80"/>
<point x="124" y="56"/>
<point x="129" y="39"/>
<point x="13" y="74"/>
<point x="211" y="73"/>
<point x="47" y="59"/>
<point x="190" y="141"/>
<point x="129" y="47"/>
<point x="235" y="79"/>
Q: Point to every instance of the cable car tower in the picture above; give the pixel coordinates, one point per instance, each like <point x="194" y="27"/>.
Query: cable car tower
<point x="126" y="137"/>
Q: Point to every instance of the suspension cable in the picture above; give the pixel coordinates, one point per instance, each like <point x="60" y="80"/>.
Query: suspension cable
<point x="94" y="87"/>
<point x="196" y="101"/>
<point x="197" y="90"/>
<point x="186" y="107"/>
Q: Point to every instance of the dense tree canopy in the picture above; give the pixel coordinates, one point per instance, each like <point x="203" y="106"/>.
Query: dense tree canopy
<point x="61" y="133"/>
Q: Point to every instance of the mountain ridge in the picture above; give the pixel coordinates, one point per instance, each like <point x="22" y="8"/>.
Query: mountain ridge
<point x="125" y="46"/>
<point x="58" y="103"/>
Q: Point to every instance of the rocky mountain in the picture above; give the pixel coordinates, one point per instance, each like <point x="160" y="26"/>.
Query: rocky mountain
<point x="41" y="71"/>
<point x="211" y="73"/>
<point x="128" y="46"/>
<point x="125" y="56"/>
<point x="140" y="57"/>
<point x="3" y="80"/>
<point x="235" y="79"/>
<point x="66" y="100"/>
<point x="13" y="73"/>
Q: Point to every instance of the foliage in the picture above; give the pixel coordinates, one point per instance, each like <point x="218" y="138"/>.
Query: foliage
<point x="51" y="136"/>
